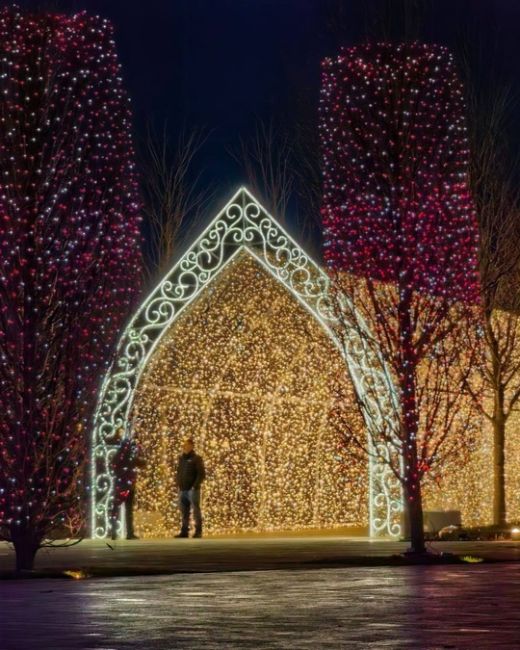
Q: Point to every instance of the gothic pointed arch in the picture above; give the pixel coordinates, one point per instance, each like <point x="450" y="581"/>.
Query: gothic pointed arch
<point x="242" y="224"/>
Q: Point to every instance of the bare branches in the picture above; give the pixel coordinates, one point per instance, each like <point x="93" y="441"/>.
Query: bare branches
<point x="443" y="370"/>
<point x="266" y="161"/>
<point x="173" y="200"/>
<point x="494" y="175"/>
<point x="282" y="169"/>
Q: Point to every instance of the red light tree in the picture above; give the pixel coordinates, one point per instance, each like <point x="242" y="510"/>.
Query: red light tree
<point x="70" y="259"/>
<point x="401" y="235"/>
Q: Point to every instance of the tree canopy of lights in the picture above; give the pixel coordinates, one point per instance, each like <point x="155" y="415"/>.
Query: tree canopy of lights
<point x="395" y="154"/>
<point x="400" y="234"/>
<point x="247" y="372"/>
<point x="70" y="258"/>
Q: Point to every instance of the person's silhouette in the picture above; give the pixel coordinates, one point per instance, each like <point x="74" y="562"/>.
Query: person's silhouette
<point x="190" y="475"/>
<point x="126" y="460"/>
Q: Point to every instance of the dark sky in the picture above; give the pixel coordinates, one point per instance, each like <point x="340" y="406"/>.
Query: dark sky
<point x="221" y="64"/>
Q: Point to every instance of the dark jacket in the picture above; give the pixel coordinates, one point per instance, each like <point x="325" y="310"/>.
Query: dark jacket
<point x="190" y="471"/>
<point x="125" y="462"/>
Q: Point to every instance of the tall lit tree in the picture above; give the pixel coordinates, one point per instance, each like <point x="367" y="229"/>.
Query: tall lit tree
<point x="70" y="259"/>
<point x="400" y="230"/>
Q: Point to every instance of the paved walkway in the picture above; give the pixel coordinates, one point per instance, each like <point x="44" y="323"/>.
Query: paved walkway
<point x="420" y="608"/>
<point x="234" y="554"/>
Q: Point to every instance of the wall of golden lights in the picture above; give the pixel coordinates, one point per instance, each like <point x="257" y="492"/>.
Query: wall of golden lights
<point x="465" y="482"/>
<point x="247" y="372"/>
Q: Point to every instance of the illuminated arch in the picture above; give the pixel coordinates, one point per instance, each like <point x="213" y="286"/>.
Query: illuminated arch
<point x="242" y="224"/>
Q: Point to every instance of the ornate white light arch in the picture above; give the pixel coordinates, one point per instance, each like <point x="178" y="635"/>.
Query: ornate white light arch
<point x="242" y="224"/>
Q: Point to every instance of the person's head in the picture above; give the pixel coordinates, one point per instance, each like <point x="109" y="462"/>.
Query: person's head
<point x="187" y="445"/>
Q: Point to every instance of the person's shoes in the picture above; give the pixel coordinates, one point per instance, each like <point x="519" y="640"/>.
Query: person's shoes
<point x="197" y="535"/>
<point x="181" y="535"/>
<point x="132" y="537"/>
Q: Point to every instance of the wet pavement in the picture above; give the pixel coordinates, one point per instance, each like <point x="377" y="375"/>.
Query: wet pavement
<point x="469" y="606"/>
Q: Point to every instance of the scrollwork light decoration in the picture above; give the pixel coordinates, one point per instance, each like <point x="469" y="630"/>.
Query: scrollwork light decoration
<point x="243" y="224"/>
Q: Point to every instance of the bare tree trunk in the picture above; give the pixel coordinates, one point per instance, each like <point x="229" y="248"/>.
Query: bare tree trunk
<point x="499" y="480"/>
<point x="498" y="420"/>
<point x="494" y="173"/>
<point x="25" y="546"/>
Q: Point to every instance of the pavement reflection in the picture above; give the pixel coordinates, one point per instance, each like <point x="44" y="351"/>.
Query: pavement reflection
<point x="378" y="607"/>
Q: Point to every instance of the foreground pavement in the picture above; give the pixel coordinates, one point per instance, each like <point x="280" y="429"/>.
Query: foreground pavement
<point x="237" y="554"/>
<point x="425" y="608"/>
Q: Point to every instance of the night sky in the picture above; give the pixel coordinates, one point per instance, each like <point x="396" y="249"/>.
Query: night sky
<point x="223" y="64"/>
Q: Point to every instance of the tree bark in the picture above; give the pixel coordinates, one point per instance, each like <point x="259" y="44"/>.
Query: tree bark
<point x="25" y="546"/>
<point x="414" y="512"/>
<point x="410" y="423"/>
<point x="498" y="419"/>
<point x="499" y="479"/>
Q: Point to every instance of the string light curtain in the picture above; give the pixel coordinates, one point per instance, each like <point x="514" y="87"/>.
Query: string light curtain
<point x="247" y="372"/>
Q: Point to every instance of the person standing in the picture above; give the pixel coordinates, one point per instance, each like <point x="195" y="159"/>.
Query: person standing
<point x="190" y="475"/>
<point x="125" y="462"/>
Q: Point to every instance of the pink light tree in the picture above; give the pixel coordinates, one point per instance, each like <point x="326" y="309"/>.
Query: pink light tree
<point x="401" y="240"/>
<point x="70" y="260"/>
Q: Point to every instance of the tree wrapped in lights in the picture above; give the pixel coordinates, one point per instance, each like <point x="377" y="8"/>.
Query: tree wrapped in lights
<point x="401" y="240"/>
<point x="70" y="259"/>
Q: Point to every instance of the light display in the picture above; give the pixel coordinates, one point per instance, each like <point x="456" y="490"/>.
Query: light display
<point x="395" y="153"/>
<point x="242" y="224"/>
<point x="465" y="482"/>
<point x="70" y="256"/>
<point x="224" y="278"/>
<point x="215" y="375"/>
<point x="512" y="467"/>
<point x="401" y="237"/>
<point x="247" y="372"/>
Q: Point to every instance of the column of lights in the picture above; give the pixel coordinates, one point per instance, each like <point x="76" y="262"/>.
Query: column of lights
<point x="70" y="251"/>
<point x="397" y="211"/>
<point x="247" y="372"/>
<point x="395" y="155"/>
<point x="512" y="452"/>
<point x="464" y="482"/>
